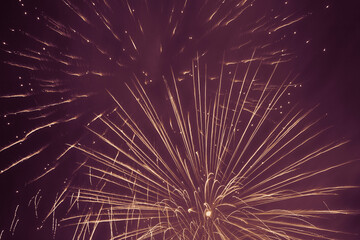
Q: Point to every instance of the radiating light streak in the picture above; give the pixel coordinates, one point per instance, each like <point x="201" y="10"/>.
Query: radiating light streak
<point x="287" y="24"/>
<point x="17" y="162"/>
<point x="47" y="106"/>
<point x="16" y="95"/>
<point x="31" y="68"/>
<point x="27" y="135"/>
<point x="14" y="220"/>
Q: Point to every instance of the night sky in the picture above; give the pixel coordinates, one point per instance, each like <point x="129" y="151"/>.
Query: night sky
<point x="52" y="86"/>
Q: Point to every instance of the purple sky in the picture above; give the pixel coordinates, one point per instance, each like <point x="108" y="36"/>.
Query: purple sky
<point x="325" y="46"/>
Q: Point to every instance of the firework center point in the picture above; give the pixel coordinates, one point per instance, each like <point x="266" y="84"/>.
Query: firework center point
<point x="208" y="213"/>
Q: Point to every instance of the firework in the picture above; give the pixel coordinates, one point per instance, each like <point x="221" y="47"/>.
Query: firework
<point x="191" y="165"/>
<point x="218" y="168"/>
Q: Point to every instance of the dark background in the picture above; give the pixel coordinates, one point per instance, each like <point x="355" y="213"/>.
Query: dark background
<point x="329" y="78"/>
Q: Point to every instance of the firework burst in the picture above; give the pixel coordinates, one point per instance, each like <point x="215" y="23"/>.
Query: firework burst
<point x="217" y="159"/>
<point x="218" y="168"/>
